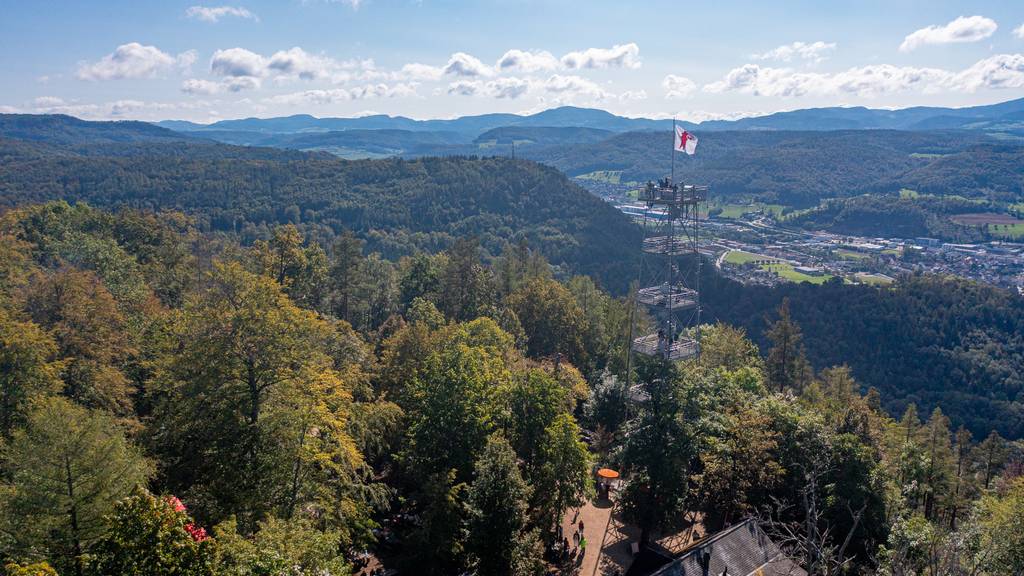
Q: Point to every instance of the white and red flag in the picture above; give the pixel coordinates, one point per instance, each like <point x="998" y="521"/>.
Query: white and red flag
<point x="685" y="142"/>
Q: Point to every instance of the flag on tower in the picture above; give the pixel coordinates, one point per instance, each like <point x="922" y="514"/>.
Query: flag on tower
<point x="685" y="142"/>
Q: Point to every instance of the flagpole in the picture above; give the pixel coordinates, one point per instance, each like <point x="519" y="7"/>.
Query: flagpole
<point x="673" y="150"/>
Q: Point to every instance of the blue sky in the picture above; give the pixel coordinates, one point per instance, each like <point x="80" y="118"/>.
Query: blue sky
<point x="205" y="61"/>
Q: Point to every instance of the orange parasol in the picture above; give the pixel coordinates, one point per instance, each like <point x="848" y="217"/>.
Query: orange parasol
<point x="607" y="473"/>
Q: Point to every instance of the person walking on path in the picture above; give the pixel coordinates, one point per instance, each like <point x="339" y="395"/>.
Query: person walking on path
<point x="583" y="548"/>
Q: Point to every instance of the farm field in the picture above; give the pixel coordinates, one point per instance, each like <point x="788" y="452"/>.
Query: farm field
<point x="1000" y="225"/>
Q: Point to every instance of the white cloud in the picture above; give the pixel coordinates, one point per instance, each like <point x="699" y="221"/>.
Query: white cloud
<point x="863" y="81"/>
<point x="570" y="87"/>
<point x="678" y="86"/>
<point x="5" y="109"/>
<point x="1019" y="32"/>
<point x="322" y="97"/>
<point x="464" y="88"/>
<point x="999" y="71"/>
<point x="633" y="95"/>
<point x="815" y="52"/>
<point x="417" y="71"/>
<point x="618" y="56"/>
<point x="243" y="69"/>
<point x="509" y="87"/>
<point x="462" y="64"/>
<point x="994" y="72"/>
<point x="231" y="84"/>
<point x="297" y="62"/>
<point x="215" y="13"/>
<point x="237" y="62"/>
<point x="963" y="29"/>
<point x="134" y="60"/>
<point x="197" y="86"/>
<point x="524" y="61"/>
<point x="354" y="4"/>
<point x="48" y="102"/>
<point x="125" y="108"/>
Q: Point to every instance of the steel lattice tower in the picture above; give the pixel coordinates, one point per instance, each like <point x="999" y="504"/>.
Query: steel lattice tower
<point x="670" y="268"/>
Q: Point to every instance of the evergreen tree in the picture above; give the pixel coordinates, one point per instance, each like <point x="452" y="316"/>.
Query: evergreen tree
<point x="466" y="286"/>
<point x="437" y="545"/>
<point x="65" y="471"/>
<point x="499" y="540"/>
<point x="787" y="366"/>
<point x="660" y="448"/>
<point x="939" y="454"/>
<point x="421" y="278"/>
<point x="963" y="486"/>
<point x="564" y="478"/>
<point x="346" y="274"/>
<point x="991" y="454"/>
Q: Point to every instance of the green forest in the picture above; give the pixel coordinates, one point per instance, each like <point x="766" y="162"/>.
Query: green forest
<point x="178" y="403"/>
<point x="397" y="206"/>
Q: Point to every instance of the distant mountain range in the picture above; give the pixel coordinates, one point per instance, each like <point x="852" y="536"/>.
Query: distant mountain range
<point x="793" y="167"/>
<point x="1004" y="116"/>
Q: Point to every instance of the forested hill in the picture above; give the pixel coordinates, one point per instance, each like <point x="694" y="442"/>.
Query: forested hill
<point x="799" y="168"/>
<point x="399" y="206"/>
<point x="928" y="340"/>
<point x="68" y="130"/>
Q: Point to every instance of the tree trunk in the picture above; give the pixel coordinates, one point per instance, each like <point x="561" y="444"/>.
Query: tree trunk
<point x="76" y="541"/>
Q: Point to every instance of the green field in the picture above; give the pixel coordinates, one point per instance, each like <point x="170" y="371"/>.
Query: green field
<point x="739" y="257"/>
<point x="872" y="279"/>
<point x="851" y="255"/>
<point x="734" y="211"/>
<point x="786" y="271"/>
<point x="783" y="269"/>
<point x="907" y="193"/>
<point x="609" y="176"/>
<point x="1012" y="231"/>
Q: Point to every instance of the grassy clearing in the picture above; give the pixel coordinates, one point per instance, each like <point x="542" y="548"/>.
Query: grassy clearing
<point x="609" y="176"/>
<point x="787" y="272"/>
<point x="850" y="254"/>
<point x="783" y="269"/>
<point x="735" y="211"/>
<point x="1012" y="231"/>
<point x="927" y="155"/>
<point x="908" y="194"/>
<point x="739" y="257"/>
<point x="873" y="279"/>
